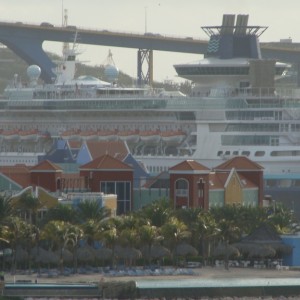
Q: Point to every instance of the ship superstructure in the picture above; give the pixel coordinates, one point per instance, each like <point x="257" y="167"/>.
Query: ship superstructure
<point x="234" y="109"/>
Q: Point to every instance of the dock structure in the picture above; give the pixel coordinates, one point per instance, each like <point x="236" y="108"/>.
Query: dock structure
<point x="161" y="288"/>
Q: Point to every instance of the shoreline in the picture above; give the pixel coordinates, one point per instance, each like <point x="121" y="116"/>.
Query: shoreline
<point x="206" y="283"/>
<point x="197" y="273"/>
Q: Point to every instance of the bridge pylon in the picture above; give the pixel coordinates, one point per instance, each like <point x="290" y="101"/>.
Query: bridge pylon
<point x="145" y="57"/>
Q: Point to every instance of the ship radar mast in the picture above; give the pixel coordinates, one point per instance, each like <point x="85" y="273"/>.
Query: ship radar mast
<point x="67" y="67"/>
<point x="66" y="46"/>
<point x="111" y="72"/>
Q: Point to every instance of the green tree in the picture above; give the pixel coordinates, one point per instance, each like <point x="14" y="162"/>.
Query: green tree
<point x="6" y="208"/>
<point x="17" y="231"/>
<point x="60" y="212"/>
<point x="109" y="232"/>
<point x="29" y="206"/>
<point x="175" y="231"/>
<point x="91" y="210"/>
<point x="283" y="220"/>
<point x="157" y="212"/>
<point x="204" y="231"/>
<point x="149" y="235"/>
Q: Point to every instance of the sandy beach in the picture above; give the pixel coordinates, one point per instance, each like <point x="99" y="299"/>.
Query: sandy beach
<point x="205" y="272"/>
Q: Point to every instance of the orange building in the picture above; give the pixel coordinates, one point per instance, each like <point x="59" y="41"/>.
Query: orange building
<point x="236" y="181"/>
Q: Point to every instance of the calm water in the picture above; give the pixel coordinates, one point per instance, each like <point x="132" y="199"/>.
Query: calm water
<point x="190" y="283"/>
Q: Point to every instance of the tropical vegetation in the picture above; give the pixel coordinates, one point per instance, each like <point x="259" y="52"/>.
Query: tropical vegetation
<point x="156" y="234"/>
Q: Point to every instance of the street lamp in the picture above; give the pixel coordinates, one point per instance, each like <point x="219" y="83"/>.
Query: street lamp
<point x="146" y="18"/>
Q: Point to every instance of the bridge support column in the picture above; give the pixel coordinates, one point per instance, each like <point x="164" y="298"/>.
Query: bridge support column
<point x="298" y="73"/>
<point x="145" y="56"/>
<point x="31" y="50"/>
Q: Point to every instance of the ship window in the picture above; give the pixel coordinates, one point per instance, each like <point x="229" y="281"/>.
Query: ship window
<point x="246" y="153"/>
<point x="235" y="152"/>
<point x="281" y="153"/>
<point x="220" y="153"/>
<point x="259" y="153"/>
<point x="227" y="152"/>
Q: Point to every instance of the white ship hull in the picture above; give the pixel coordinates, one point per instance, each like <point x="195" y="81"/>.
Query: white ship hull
<point x="234" y="110"/>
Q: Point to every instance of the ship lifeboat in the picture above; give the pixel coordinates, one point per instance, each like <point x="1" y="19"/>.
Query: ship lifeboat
<point x="107" y="135"/>
<point x="130" y="136"/>
<point x="29" y="135"/>
<point x="89" y="135"/>
<point x="150" y="137"/>
<point x="69" y="135"/>
<point x="172" y="137"/>
<point x="44" y="135"/>
<point x="10" y="134"/>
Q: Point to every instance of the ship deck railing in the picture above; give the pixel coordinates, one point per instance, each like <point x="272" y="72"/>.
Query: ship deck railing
<point x="242" y="99"/>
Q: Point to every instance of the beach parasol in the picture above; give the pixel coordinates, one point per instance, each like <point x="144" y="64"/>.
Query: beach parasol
<point x="46" y="257"/>
<point x="21" y="254"/>
<point x="86" y="254"/>
<point x="224" y="250"/>
<point x="103" y="253"/>
<point x="66" y="254"/>
<point x="155" y="251"/>
<point x="263" y="242"/>
<point x="261" y="251"/>
<point x="127" y="252"/>
<point x="185" y="249"/>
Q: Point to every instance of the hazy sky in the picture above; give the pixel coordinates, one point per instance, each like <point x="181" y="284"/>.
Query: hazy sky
<point x="167" y="17"/>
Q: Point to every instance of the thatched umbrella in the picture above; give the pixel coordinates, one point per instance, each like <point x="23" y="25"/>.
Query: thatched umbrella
<point x="103" y="253"/>
<point x="243" y="247"/>
<point x="156" y="251"/>
<point x="67" y="255"/>
<point x="226" y="251"/>
<point x="261" y="251"/>
<point x="263" y="242"/>
<point x="85" y="254"/>
<point x="21" y="254"/>
<point x="46" y="257"/>
<point x="185" y="249"/>
<point x="127" y="252"/>
<point x="281" y="248"/>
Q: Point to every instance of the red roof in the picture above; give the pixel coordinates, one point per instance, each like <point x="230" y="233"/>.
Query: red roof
<point x="46" y="165"/>
<point x="239" y="163"/>
<point x="218" y="180"/>
<point x="106" y="162"/>
<point x="189" y="165"/>
<point x="18" y="173"/>
<point x="116" y="149"/>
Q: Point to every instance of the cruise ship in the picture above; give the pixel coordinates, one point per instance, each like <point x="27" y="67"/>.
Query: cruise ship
<point x="235" y="109"/>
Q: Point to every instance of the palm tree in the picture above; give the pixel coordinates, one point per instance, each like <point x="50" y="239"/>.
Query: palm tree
<point x="148" y="236"/>
<point x="6" y="208"/>
<point x="283" y="220"/>
<point x="29" y="205"/>
<point x="60" y="212"/>
<point x="91" y="231"/>
<point x="109" y="233"/>
<point x="157" y="212"/>
<point x="16" y="234"/>
<point x="129" y="240"/>
<point x="174" y="232"/>
<point x="58" y="235"/>
<point x="6" y="212"/>
<point x="75" y="234"/>
<point x="92" y="210"/>
<point x="204" y="230"/>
